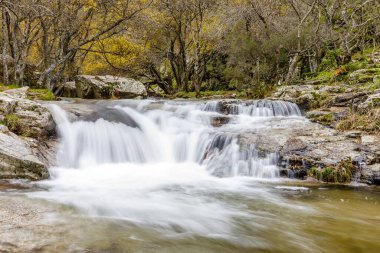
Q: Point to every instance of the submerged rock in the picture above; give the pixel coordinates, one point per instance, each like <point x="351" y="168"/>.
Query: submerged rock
<point x="105" y="87"/>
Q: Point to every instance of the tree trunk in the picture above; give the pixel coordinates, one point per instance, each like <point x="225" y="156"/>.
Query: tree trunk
<point x="5" y="46"/>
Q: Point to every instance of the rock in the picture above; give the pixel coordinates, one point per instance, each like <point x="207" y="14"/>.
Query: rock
<point x="219" y="121"/>
<point x="25" y="117"/>
<point x="371" y="174"/>
<point x="372" y="101"/>
<point x="353" y="134"/>
<point x="18" y="93"/>
<point x="18" y="159"/>
<point x="293" y="145"/>
<point x="364" y="75"/>
<point x="328" y="116"/>
<point x="91" y="87"/>
<point x="67" y="89"/>
<point x="105" y="87"/>
<point x="348" y="99"/>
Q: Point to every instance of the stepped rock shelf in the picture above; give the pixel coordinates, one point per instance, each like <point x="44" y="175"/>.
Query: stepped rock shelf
<point x="267" y="138"/>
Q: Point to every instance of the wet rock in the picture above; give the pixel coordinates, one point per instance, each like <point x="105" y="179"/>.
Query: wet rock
<point x="18" y="159"/>
<point x="105" y="87"/>
<point x="219" y="121"/>
<point x="305" y="145"/>
<point x="371" y="174"/>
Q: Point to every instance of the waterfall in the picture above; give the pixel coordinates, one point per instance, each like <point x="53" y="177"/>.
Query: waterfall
<point x="163" y="164"/>
<point x="174" y="133"/>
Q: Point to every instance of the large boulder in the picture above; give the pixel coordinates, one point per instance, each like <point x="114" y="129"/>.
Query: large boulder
<point x="25" y="117"/>
<point x="17" y="158"/>
<point x="66" y="89"/>
<point x="105" y="87"/>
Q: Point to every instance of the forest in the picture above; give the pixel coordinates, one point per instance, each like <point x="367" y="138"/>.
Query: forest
<point x="183" y="46"/>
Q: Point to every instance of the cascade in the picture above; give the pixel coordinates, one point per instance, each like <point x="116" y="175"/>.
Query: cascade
<point x="163" y="164"/>
<point x="175" y="133"/>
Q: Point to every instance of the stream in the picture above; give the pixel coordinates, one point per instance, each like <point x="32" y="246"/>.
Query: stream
<point x="174" y="176"/>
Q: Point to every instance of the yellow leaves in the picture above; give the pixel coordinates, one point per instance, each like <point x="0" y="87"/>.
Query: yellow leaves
<point x="113" y="53"/>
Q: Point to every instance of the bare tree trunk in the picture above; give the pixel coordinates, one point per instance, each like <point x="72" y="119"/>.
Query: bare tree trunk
<point x="297" y="57"/>
<point x="5" y="46"/>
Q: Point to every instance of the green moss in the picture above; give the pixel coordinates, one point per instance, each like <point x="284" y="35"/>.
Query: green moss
<point x="41" y="94"/>
<point x="340" y="173"/>
<point x="341" y="90"/>
<point x="327" y="118"/>
<point x="376" y="102"/>
<point x="325" y="75"/>
<point x="318" y="99"/>
<point x="329" y="61"/>
<point x="12" y="122"/>
<point x="8" y="87"/>
<point x="355" y="65"/>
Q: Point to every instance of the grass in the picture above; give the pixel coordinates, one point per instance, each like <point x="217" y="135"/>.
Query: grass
<point x="41" y="94"/>
<point x="369" y="122"/>
<point x="340" y="173"/>
<point x="4" y="87"/>
<point x="325" y="75"/>
<point x="33" y="94"/>
<point x="12" y="122"/>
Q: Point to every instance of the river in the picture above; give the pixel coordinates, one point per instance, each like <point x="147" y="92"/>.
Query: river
<point x="174" y="176"/>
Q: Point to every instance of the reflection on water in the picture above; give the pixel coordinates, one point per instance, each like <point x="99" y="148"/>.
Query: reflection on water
<point x="297" y="218"/>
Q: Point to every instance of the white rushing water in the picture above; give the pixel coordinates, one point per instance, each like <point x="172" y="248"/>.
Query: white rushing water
<point x="164" y="164"/>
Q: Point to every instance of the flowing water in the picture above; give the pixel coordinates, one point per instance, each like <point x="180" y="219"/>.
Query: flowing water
<point x="164" y="176"/>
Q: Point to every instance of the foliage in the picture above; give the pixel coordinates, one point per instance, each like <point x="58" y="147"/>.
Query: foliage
<point x="185" y="46"/>
<point x="340" y="173"/>
<point x="330" y="60"/>
<point x="12" y="122"/>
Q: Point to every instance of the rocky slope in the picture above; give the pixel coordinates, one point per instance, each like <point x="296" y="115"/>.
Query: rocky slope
<point x="27" y="134"/>
<point x="349" y="107"/>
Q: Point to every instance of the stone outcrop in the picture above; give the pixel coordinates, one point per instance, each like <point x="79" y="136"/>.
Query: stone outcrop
<point x="18" y="159"/>
<point x="67" y="89"/>
<point x="26" y="132"/>
<point x="105" y="87"/>
<point x="304" y="145"/>
<point x="25" y="117"/>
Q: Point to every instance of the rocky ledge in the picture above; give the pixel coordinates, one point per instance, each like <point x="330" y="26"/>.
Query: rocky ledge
<point x="27" y="133"/>
<point x="102" y="87"/>
<point x="349" y="108"/>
